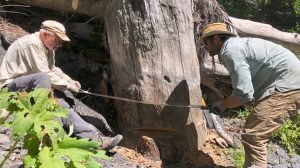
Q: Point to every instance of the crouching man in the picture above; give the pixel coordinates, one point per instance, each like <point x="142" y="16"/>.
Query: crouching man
<point x="30" y="63"/>
<point x="262" y="72"/>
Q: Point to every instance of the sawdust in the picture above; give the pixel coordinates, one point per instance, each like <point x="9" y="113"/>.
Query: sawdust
<point x="219" y="155"/>
<point x="137" y="157"/>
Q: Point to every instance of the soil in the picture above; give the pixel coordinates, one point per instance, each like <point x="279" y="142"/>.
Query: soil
<point x="86" y="59"/>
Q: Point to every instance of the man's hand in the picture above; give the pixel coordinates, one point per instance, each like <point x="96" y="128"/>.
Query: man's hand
<point x="74" y="86"/>
<point x="77" y="84"/>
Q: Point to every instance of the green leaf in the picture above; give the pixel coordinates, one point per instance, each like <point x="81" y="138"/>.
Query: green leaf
<point x="31" y="143"/>
<point x="80" y="155"/>
<point x="74" y="154"/>
<point x="47" y="160"/>
<point x="50" y="115"/>
<point x="39" y="97"/>
<point x="29" y="161"/>
<point x="22" y="123"/>
<point x="78" y="165"/>
<point x="52" y="128"/>
<point x="78" y="143"/>
<point x="5" y="98"/>
<point x="101" y="154"/>
<point x="48" y="146"/>
<point x="89" y="163"/>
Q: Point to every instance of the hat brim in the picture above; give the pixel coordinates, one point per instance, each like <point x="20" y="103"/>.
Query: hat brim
<point x="62" y="36"/>
<point x="217" y="32"/>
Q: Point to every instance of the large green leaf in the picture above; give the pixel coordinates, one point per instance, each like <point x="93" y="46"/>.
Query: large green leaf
<point x="78" y="143"/>
<point x="48" y="160"/>
<point x="81" y="152"/>
<point x="22" y="123"/>
<point x="89" y="163"/>
<point x="39" y="98"/>
<point x="48" y="146"/>
<point x="29" y="162"/>
<point x="52" y="128"/>
<point x="80" y="157"/>
<point x="31" y="143"/>
<point x="6" y="98"/>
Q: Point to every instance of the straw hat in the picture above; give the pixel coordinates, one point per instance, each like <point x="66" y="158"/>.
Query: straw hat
<point x="215" y="28"/>
<point x="56" y="28"/>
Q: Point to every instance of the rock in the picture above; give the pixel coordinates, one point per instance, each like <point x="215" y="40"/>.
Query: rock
<point x="282" y="156"/>
<point x="2" y="154"/>
<point x="4" y="142"/>
<point x="273" y="159"/>
<point x="295" y="161"/>
<point x="281" y="166"/>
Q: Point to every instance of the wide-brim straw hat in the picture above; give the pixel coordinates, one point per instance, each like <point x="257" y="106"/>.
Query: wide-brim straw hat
<point x="56" y="28"/>
<point x="215" y="28"/>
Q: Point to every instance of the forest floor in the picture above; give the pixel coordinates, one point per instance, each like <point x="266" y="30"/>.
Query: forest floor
<point x="88" y="63"/>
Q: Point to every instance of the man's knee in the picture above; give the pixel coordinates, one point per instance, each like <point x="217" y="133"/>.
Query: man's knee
<point x="42" y="75"/>
<point x="63" y="103"/>
<point x="42" y="80"/>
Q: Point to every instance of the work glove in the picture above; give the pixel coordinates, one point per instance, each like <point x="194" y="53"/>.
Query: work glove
<point x="218" y="108"/>
<point x="73" y="86"/>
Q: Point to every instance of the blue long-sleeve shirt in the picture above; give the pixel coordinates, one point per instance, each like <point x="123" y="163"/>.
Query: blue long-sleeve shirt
<point x="257" y="67"/>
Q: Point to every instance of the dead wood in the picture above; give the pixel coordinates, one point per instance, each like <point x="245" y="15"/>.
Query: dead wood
<point x="153" y="59"/>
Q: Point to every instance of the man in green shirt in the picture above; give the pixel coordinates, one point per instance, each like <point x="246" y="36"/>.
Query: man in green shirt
<point x="262" y="72"/>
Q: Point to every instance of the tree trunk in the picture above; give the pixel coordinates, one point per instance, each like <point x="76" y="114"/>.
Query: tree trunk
<point x="153" y="59"/>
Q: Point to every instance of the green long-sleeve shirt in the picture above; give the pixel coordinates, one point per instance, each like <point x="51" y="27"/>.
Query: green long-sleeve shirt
<point x="257" y="67"/>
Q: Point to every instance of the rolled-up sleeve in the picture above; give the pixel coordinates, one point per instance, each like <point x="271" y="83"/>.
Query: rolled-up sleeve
<point x="235" y="61"/>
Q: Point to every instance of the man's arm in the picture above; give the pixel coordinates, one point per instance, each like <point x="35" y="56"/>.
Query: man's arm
<point x="38" y="61"/>
<point x="71" y="84"/>
<point x="235" y="62"/>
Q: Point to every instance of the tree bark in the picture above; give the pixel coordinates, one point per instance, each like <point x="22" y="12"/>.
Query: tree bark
<point x="153" y="59"/>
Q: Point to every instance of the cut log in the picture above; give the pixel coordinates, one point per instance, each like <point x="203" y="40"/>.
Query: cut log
<point x="265" y="31"/>
<point x="95" y="8"/>
<point x="153" y="59"/>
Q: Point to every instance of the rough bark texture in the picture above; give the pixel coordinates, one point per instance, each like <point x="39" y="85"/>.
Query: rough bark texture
<point x="153" y="59"/>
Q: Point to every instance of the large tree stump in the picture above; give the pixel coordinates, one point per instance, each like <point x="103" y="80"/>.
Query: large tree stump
<point x="153" y="59"/>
